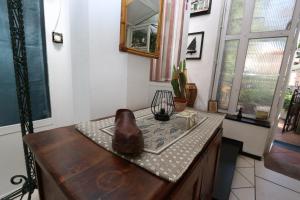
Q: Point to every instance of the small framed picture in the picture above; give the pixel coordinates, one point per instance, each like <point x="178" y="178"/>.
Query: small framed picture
<point x="194" y="46"/>
<point x="212" y="106"/>
<point x="200" y="7"/>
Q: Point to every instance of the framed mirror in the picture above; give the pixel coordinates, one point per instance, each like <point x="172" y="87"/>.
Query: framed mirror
<point x="140" y="31"/>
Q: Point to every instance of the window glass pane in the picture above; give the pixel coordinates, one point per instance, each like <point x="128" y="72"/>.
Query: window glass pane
<point x="227" y="74"/>
<point x="272" y="15"/>
<point x="8" y="98"/>
<point x="262" y="66"/>
<point x="235" y="17"/>
<point x="37" y="67"/>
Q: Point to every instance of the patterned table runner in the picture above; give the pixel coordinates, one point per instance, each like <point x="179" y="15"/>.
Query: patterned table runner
<point x="160" y="135"/>
<point x="169" y="160"/>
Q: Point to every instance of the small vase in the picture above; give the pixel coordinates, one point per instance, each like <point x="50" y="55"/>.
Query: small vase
<point x="191" y="94"/>
<point x="180" y="104"/>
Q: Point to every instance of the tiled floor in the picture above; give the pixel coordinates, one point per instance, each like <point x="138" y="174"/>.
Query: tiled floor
<point x="252" y="181"/>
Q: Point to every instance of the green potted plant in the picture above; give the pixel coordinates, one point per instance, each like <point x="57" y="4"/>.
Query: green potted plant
<point x="286" y="103"/>
<point x="178" y="83"/>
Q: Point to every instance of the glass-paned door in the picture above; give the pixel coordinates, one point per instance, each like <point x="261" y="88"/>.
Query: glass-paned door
<point x="272" y="15"/>
<point x="261" y="72"/>
<point x="255" y="42"/>
<point x="227" y="74"/>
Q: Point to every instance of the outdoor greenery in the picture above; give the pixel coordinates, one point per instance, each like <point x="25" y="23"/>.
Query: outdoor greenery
<point x="227" y="73"/>
<point x="287" y="99"/>
<point x="236" y="17"/>
<point x="153" y="37"/>
<point x="257" y="90"/>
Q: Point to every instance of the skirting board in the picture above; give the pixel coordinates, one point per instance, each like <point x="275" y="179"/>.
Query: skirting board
<point x="255" y="157"/>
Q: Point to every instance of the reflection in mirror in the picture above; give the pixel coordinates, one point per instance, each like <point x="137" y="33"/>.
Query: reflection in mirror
<point x="140" y="27"/>
<point x="142" y="23"/>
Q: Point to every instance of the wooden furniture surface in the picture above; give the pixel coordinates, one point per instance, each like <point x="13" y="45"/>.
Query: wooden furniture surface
<point x="70" y="166"/>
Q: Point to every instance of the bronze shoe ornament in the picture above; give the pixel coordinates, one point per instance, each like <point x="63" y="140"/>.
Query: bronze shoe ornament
<point x="128" y="138"/>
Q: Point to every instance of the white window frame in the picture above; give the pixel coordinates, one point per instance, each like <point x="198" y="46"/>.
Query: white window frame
<point x="38" y="125"/>
<point x="244" y="38"/>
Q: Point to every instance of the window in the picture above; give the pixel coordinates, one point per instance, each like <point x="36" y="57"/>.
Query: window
<point x="261" y="72"/>
<point x="252" y="53"/>
<point x="36" y="59"/>
<point x="236" y="17"/>
<point x="272" y="15"/>
<point x="226" y="80"/>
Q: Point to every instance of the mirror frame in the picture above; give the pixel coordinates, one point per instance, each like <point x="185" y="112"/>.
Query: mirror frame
<point x="123" y="33"/>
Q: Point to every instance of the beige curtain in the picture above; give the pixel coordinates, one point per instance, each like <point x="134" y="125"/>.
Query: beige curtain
<point x="171" y="40"/>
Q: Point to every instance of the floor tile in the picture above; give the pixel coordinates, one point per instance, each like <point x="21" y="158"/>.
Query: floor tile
<point x="35" y="195"/>
<point x="232" y="196"/>
<point x="244" y="193"/>
<point x="266" y="190"/>
<point x="243" y="161"/>
<point x="275" y="177"/>
<point x="239" y="181"/>
<point x="248" y="173"/>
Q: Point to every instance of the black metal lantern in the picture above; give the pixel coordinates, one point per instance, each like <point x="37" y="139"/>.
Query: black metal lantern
<point x="162" y="105"/>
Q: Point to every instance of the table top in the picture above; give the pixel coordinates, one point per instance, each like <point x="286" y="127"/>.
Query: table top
<point x="83" y="170"/>
<point x="174" y="160"/>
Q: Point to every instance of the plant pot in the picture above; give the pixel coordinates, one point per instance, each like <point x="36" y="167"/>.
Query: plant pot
<point x="180" y="104"/>
<point x="191" y="94"/>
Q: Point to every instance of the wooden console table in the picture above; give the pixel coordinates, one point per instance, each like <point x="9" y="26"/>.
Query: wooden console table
<point x="70" y="166"/>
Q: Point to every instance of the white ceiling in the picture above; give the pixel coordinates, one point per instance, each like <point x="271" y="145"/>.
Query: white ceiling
<point x="140" y="10"/>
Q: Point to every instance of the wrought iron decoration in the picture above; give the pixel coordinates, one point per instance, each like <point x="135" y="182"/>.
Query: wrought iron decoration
<point x="293" y="114"/>
<point x="16" y="25"/>
<point x="162" y="105"/>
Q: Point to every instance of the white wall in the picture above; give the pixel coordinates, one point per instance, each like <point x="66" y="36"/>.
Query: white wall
<point x="108" y="66"/>
<point x="153" y="86"/>
<point x="59" y="63"/>
<point x="253" y="137"/>
<point x="138" y="74"/>
<point x="12" y="160"/>
<point x="80" y="59"/>
<point x="99" y="74"/>
<point x="201" y="71"/>
<point x="117" y="79"/>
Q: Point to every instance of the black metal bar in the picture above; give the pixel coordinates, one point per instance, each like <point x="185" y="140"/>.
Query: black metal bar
<point x="17" y="33"/>
<point x="293" y="113"/>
